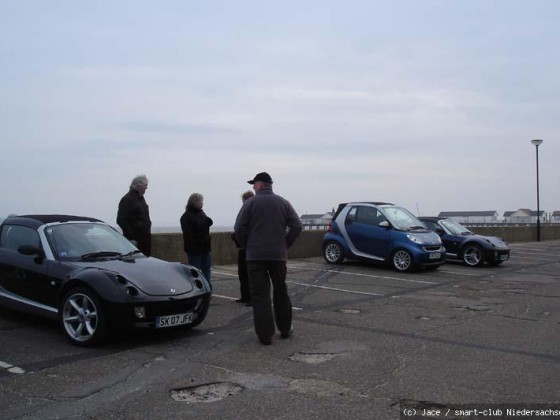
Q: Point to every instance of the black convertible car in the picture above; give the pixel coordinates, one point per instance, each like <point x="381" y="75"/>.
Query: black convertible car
<point x="463" y="245"/>
<point x="84" y="273"/>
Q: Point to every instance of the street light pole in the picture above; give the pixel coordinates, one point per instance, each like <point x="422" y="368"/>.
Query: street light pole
<point x="537" y="143"/>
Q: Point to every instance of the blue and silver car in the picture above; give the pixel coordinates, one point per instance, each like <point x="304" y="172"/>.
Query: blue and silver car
<point x="383" y="233"/>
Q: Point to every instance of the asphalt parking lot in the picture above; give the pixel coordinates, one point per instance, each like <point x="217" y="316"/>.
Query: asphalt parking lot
<point x="368" y="342"/>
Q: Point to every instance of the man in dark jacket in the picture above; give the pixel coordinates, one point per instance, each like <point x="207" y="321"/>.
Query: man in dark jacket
<point x="133" y="216"/>
<point x="266" y="226"/>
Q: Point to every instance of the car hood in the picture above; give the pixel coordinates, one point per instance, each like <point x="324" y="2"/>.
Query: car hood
<point x="429" y="238"/>
<point x="493" y="240"/>
<point x="151" y="275"/>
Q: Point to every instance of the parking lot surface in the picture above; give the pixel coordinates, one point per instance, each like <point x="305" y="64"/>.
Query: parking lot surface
<point x="368" y="341"/>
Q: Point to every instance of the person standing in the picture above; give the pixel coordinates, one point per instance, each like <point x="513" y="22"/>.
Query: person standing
<point x="133" y="216"/>
<point x="196" y="235"/>
<point x="242" y="264"/>
<point x="266" y="226"/>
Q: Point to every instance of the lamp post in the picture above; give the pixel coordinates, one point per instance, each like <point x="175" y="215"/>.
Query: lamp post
<point x="537" y="143"/>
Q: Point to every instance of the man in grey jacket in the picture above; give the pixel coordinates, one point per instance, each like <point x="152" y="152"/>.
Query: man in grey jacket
<point x="266" y="226"/>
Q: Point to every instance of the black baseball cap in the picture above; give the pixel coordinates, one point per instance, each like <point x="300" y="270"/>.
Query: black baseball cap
<point x="262" y="177"/>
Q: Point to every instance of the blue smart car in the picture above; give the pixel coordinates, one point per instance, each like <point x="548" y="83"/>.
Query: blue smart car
<point x="383" y="233"/>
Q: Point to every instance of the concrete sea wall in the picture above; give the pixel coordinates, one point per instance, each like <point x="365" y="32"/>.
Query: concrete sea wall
<point x="169" y="246"/>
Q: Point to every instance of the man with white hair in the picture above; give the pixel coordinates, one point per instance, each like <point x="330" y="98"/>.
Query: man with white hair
<point x="133" y="216"/>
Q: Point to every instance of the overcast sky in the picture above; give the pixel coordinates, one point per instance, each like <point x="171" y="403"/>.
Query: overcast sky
<point x="428" y="104"/>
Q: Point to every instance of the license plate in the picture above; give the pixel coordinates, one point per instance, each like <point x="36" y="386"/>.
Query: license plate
<point x="504" y="257"/>
<point x="435" y="255"/>
<point x="174" y="320"/>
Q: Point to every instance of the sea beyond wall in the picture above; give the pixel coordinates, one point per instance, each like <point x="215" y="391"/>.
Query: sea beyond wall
<point x="169" y="246"/>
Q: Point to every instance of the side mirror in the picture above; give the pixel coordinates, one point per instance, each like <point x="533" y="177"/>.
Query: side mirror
<point x="439" y="231"/>
<point x="30" y="250"/>
<point x="384" y="224"/>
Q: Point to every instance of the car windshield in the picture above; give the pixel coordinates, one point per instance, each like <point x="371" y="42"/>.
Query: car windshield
<point x="74" y="241"/>
<point x="402" y="219"/>
<point x="454" y="228"/>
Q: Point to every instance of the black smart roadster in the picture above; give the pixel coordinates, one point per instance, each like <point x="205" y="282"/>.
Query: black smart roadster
<point x="92" y="279"/>
<point x="463" y="245"/>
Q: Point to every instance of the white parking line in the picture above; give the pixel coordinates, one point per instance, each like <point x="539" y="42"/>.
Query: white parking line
<point x="11" y="368"/>
<point x="224" y="274"/>
<point x="373" y="276"/>
<point x="295" y="308"/>
<point x="533" y="258"/>
<point x="223" y="297"/>
<point x="457" y="273"/>
<point x="334" y="288"/>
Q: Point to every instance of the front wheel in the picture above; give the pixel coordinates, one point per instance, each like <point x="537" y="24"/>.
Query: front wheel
<point x="473" y="256"/>
<point x="402" y="260"/>
<point x="82" y="317"/>
<point x="332" y="251"/>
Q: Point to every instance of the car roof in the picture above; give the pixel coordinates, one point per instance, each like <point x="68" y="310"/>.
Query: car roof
<point x="375" y="203"/>
<point x="36" y="220"/>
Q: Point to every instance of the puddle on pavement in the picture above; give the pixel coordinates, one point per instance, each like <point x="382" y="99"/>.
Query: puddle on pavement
<point x="313" y="358"/>
<point x="206" y="393"/>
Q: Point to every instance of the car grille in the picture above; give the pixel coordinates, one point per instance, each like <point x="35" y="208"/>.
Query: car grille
<point x="433" y="248"/>
<point x="171" y="307"/>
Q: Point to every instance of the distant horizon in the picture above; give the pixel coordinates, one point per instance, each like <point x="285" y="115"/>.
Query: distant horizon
<point x="177" y="229"/>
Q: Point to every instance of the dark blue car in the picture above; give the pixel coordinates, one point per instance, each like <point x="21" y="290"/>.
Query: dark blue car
<point x="463" y="245"/>
<point x="383" y="233"/>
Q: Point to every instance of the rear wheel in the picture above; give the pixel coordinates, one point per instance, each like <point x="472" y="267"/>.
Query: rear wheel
<point x="473" y="256"/>
<point x="332" y="251"/>
<point x="402" y="260"/>
<point x="82" y="317"/>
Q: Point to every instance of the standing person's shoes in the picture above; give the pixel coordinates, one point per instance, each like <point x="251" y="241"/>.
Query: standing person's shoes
<point x="247" y="302"/>
<point x="265" y="341"/>
<point x="286" y="334"/>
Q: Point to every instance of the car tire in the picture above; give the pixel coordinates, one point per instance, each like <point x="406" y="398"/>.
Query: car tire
<point x="402" y="260"/>
<point x="472" y="255"/>
<point x="333" y="253"/>
<point x="82" y="317"/>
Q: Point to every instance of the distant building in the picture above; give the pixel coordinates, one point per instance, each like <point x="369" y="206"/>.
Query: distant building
<point x="490" y="216"/>
<point x="524" y="216"/>
<point x="555" y="217"/>
<point x="316" y="221"/>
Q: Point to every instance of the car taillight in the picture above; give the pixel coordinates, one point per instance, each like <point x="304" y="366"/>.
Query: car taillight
<point x="330" y="229"/>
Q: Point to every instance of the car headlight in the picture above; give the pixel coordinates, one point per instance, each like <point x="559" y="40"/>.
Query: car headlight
<point x="415" y="239"/>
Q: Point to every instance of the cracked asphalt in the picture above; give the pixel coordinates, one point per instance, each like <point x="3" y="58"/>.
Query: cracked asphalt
<point x="367" y="340"/>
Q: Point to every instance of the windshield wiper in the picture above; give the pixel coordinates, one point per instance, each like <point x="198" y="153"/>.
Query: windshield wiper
<point x="130" y="254"/>
<point x="99" y="254"/>
<point x="416" y="228"/>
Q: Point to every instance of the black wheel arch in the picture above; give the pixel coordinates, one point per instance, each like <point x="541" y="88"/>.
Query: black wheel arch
<point x="102" y="283"/>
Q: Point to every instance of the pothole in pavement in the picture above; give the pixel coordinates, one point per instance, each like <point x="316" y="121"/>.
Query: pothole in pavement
<point x="313" y="357"/>
<point x="206" y="393"/>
